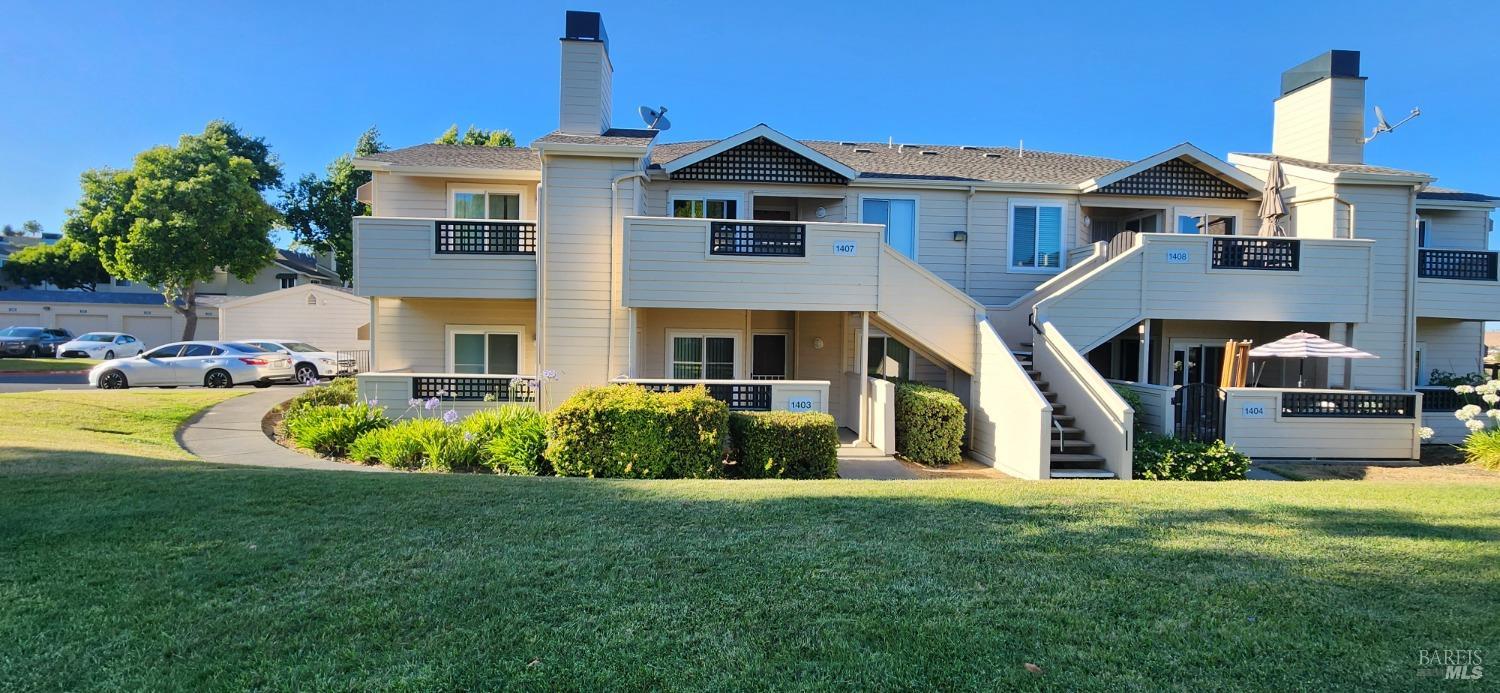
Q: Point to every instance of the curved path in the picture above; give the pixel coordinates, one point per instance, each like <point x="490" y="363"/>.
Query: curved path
<point x="229" y="433"/>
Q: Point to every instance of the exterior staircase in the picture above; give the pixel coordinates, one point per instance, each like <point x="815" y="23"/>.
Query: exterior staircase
<point x="1071" y="454"/>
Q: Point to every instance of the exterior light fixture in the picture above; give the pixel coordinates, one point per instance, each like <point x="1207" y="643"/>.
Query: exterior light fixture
<point x="961" y="236"/>
<point x="817" y="342"/>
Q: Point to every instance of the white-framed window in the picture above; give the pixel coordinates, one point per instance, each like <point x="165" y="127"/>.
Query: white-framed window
<point x="705" y="205"/>
<point x="1199" y="220"/>
<point x="703" y="355"/>
<point x="888" y="358"/>
<point x="1037" y="240"/>
<point x="484" y="202"/>
<point x="1146" y="223"/>
<point x="287" y="280"/>
<point x="898" y="215"/>
<point x="1421" y="232"/>
<point x="482" y="349"/>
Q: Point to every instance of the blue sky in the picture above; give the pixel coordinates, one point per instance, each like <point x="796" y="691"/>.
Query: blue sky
<point x="89" y="84"/>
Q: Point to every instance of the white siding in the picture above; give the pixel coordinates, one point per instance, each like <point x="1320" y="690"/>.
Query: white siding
<point x="1322" y="122"/>
<point x="1455" y="346"/>
<point x="1010" y="417"/>
<point x="1385" y="215"/>
<point x="1274" y="435"/>
<point x="395" y="257"/>
<point x="586" y="88"/>
<point x="410" y="334"/>
<point x="426" y="197"/>
<point x="155" y="324"/>
<point x="1458" y="298"/>
<point x="1467" y="229"/>
<point x="331" y="323"/>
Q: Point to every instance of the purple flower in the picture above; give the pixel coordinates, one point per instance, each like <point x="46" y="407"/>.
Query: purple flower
<point x="442" y="393"/>
<point x="450" y="417"/>
<point x="468" y="435"/>
<point x="414" y="402"/>
<point x="549" y="374"/>
<point x="432" y="404"/>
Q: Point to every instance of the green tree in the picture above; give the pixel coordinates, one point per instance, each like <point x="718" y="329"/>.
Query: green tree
<point x="66" y="264"/>
<point x="179" y="214"/>
<point x="477" y="136"/>
<point x="32" y="227"/>
<point x="320" y="210"/>
<point x="254" y="149"/>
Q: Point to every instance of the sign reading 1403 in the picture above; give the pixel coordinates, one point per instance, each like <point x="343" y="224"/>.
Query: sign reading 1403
<point x="844" y="248"/>
<point x="799" y="404"/>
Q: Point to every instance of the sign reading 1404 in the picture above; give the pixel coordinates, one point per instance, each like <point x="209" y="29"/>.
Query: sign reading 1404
<point x="844" y="248"/>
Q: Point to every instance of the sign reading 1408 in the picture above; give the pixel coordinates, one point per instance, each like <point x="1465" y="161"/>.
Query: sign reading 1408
<point x="844" y="248"/>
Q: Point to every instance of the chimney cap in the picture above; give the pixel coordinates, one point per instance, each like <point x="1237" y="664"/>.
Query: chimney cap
<point x="1330" y="64"/>
<point x="585" y="26"/>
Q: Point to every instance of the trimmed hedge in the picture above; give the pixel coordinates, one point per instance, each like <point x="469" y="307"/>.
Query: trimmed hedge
<point x="1162" y="458"/>
<point x="784" y="445"/>
<point x="629" y="432"/>
<point x="331" y="429"/>
<point x="929" y="424"/>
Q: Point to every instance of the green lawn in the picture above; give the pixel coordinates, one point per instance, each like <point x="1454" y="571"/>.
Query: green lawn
<point x="125" y="568"/>
<point x="43" y="365"/>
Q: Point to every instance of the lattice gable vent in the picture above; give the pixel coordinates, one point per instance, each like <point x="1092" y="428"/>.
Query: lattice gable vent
<point x="760" y="161"/>
<point x="1175" y="178"/>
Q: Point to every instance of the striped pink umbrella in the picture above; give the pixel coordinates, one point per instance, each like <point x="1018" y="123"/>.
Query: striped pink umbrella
<point x="1306" y="345"/>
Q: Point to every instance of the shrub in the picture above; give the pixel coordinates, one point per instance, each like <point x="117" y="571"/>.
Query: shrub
<point x="1439" y="378"/>
<point x="1482" y="448"/>
<point x="929" y="423"/>
<point x="784" y="445"/>
<point x="427" y="444"/>
<point x="628" y="431"/>
<point x="1133" y="399"/>
<point x="329" y="430"/>
<point x="339" y="391"/>
<point x="520" y="447"/>
<point x="1162" y="458"/>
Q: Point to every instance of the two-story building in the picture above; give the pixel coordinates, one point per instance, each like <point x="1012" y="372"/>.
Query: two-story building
<point x="797" y="274"/>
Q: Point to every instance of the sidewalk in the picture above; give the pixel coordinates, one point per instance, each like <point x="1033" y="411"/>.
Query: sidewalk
<point x="230" y="433"/>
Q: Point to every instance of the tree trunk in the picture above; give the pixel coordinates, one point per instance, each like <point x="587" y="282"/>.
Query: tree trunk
<point x="187" y="305"/>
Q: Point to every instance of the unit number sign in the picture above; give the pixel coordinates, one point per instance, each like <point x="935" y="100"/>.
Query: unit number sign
<point x="799" y="404"/>
<point x="1177" y="256"/>
<point x="844" y="247"/>
<point x="1253" y="411"/>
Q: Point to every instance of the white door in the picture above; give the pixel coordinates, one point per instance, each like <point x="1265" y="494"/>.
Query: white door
<point x="20" y="320"/>
<point x="151" y="330"/>
<point x="80" y="324"/>
<point x="154" y="368"/>
<point x="194" y="363"/>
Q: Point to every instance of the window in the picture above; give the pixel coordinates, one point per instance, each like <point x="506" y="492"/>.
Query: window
<point x="485" y="203"/>
<point x="1036" y="237"/>
<point x="1209" y="221"/>
<point x="1146" y="224"/>
<point x="480" y="350"/>
<point x="900" y="219"/>
<point x="200" y="350"/>
<point x="888" y="357"/>
<point x="124" y="339"/>
<point x="705" y="207"/>
<point x="165" y="352"/>
<point x="122" y="282"/>
<point x="703" y="356"/>
<point x="1421" y="233"/>
<point x="287" y="280"/>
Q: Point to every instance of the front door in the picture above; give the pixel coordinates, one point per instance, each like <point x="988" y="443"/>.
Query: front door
<point x="1197" y="363"/>
<point x="768" y="357"/>
<point x="899" y="216"/>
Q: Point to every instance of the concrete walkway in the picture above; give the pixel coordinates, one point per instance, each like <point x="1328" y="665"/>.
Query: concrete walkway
<point x="869" y="463"/>
<point x="229" y="433"/>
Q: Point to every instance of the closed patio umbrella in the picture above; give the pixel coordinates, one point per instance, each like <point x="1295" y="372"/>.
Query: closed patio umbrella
<point x="1272" y="207"/>
<point x="1306" y="345"/>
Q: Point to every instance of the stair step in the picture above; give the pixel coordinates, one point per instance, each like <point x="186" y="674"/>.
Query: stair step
<point x="1068" y="432"/>
<point x="1042" y="384"/>
<point x="1050" y="395"/>
<point x="1063" y="419"/>
<point x="1082" y="474"/>
<point x="1024" y="344"/>
<point x="1034" y="374"/>
<point x="1076" y="460"/>
<point x="1059" y="408"/>
<point x="1071" y="446"/>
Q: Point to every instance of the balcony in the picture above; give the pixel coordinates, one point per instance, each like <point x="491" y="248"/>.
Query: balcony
<point x="444" y="258"/>
<point x="1459" y="284"/>
<point x="462" y="392"/>
<point x="753" y="265"/>
<point x="751" y="395"/>
<point x="1332" y="424"/>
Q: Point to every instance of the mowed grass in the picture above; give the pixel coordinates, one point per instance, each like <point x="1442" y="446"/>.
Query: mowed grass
<point x="45" y="365"/>
<point x="130" y="570"/>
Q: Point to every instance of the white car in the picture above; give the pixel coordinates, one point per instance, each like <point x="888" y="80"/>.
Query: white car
<point x="210" y="364"/>
<point x="308" y="361"/>
<point x="101" y="345"/>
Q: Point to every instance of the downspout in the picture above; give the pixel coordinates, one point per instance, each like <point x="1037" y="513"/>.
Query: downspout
<point x="609" y="332"/>
<point x="1408" y="364"/>
<point x="538" y="363"/>
<point x="968" y="231"/>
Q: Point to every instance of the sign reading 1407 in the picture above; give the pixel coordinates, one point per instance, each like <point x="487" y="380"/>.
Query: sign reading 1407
<point x="844" y="248"/>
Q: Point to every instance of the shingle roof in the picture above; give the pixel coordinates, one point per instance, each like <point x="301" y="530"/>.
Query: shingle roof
<point x="629" y="137"/>
<point x="54" y="296"/>
<point x="301" y="263"/>
<point x="940" y="162"/>
<point x="1335" y="168"/>
<point x="1436" y="193"/>
<point x="461" y="156"/>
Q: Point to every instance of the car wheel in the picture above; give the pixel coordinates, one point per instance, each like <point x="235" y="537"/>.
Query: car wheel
<point x="138" y="353"/>
<point x="113" y="380"/>
<point x="109" y="355"/>
<point x="32" y="352"/>
<point x="261" y="384"/>
<point x="306" y="372"/>
<point x="218" y="378"/>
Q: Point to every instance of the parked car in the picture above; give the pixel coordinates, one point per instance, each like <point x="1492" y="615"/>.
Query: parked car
<point x="309" y="361"/>
<point x="32" y="342"/>
<point x="101" y="345"/>
<point x="210" y="364"/>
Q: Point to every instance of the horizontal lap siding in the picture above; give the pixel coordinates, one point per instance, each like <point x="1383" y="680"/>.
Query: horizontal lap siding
<point x="1456" y="229"/>
<point x="937" y="317"/>
<point x="331" y="324"/>
<point x="1456" y="346"/>
<point x="395" y="258"/>
<point x="1332" y="285"/>
<point x="669" y="266"/>
<point x="426" y="197"/>
<point x="1094" y="311"/>
<point x="1384" y="214"/>
<point x="1332" y="438"/>
<point x="411" y="334"/>
<point x="1455" y="298"/>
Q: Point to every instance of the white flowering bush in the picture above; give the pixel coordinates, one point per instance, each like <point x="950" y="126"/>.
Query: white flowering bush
<point x="1482" y="446"/>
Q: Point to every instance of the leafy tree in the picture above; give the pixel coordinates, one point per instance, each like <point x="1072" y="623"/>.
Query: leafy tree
<point x="32" y="227"/>
<point x="179" y="214"/>
<point x="477" y="136"/>
<point x="66" y="264"/>
<point x="320" y="210"/>
<point x="254" y="149"/>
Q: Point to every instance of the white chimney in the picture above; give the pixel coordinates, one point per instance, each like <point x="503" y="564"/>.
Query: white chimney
<point x="587" y="75"/>
<point x="1320" y="115"/>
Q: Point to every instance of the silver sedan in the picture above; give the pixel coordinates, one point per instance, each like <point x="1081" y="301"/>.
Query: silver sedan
<point x="210" y="364"/>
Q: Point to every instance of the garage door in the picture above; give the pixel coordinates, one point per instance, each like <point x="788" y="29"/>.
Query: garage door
<point x="79" y="324"/>
<point x="20" y="319"/>
<point x="151" y="329"/>
<point x="208" y="328"/>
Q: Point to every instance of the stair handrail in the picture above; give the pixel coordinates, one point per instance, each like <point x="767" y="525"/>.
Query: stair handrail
<point x="1117" y="412"/>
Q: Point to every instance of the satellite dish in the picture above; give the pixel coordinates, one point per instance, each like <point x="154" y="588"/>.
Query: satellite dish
<point x="656" y="118"/>
<point x="1383" y="126"/>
